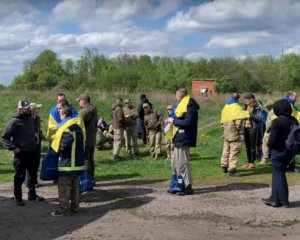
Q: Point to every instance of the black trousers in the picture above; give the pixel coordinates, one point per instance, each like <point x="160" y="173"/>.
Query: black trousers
<point x="142" y="128"/>
<point x="89" y="160"/>
<point x="24" y="161"/>
<point x="251" y="137"/>
<point x="37" y="159"/>
<point x="280" y="190"/>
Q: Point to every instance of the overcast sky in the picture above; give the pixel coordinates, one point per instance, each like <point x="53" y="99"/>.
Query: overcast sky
<point x="188" y="28"/>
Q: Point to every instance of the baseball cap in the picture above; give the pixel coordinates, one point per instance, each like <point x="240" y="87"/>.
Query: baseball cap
<point x="146" y="105"/>
<point x="83" y="96"/>
<point x="170" y="107"/>
<point x="35" y="105"/>
<point x="249" y="96"/>
<point x="23" y="104"/>
<point x="127" y="100"/>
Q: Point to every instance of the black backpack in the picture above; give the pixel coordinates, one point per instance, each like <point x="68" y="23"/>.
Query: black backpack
<point x="292" y="143"/>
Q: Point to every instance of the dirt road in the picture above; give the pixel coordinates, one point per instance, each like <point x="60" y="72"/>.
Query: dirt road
<point x="136" y="209"/>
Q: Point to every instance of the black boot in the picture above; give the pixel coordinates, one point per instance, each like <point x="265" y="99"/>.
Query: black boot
<point x="32" y="196"/>
<point x="188" y="191"/>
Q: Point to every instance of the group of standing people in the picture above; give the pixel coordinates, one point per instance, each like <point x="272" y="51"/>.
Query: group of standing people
<point x="263" y="140"/>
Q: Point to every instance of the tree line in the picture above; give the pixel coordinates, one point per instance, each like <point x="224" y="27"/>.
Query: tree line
<point x="264" y="74"/>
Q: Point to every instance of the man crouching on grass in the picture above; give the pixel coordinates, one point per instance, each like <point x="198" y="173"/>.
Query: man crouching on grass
<point x="69" y="144"/>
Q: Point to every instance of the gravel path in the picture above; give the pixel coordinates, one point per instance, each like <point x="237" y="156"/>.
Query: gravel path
<point x="136" y="210"/>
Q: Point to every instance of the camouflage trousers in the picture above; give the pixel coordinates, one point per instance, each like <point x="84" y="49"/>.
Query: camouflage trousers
<point x="231" y="152"/>
<point x="68" y="194"/>
<point x="118" y="140"/>
<point x="265" y="148"/>
<point x="180" y="164"/>
<point x="130" y="135"/>
<point x="170" y="148"/>
<point x="154" y="142"/>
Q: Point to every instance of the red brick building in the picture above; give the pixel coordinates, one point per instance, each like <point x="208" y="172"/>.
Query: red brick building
<point x="204" y="87"/>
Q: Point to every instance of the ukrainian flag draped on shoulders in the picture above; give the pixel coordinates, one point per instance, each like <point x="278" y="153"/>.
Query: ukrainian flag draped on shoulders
<point x="233" y="111"/>
<point x="295" y="109"/>
<point x="64" y="126"/>
<point x="70" y="146"/>
<point x="178" y="111"/>
<point x="54" y="120"/>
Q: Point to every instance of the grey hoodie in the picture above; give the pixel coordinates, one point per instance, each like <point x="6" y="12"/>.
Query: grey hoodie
<point x="19" y="133"/>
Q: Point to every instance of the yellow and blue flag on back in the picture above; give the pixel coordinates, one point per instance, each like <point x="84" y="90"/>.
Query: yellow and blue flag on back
<point x="233" y="111"/>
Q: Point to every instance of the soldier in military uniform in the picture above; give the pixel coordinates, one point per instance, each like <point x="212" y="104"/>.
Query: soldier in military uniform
<point x="153" y="123"/>
<point x="119" y="127"/>
<point x="88" y="113"/>
<point x="131" y="115"/>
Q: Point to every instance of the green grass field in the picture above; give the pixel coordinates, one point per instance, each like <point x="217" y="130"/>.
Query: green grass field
<point x="205" y="158"/>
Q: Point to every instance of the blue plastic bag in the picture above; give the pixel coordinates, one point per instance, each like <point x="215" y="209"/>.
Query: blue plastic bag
<point x="85" y="182"/>
<point x="176" y="184"/>
<point x="49" y="169"/>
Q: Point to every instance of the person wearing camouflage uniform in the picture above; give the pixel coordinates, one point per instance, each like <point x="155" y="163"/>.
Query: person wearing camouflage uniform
<point x="169" y="144"/>
<point x="233" y="134"/>
<point x="153" y="124"/>
<point x="118" y="126"/>
<point x="265" y="148"/>
<point x="88" y="113"/>
<point x="131" y="128"/>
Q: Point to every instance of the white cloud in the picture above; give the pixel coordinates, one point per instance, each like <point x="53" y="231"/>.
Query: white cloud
<point x="239" y="40"/>
<point x="294" y="49"/>
<point x="194" y="55"/>
<point x="237" y="15"/>
<point x="94" y="15"/>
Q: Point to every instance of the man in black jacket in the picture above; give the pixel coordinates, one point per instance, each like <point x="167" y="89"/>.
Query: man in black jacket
<point x="19" y="137"/>
<point x="186" y="121"/>
<point x="141" y="115"/>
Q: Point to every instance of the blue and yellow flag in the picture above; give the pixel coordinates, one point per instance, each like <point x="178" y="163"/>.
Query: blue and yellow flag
<point x="180" y="110"/>
<point x="64" y="127"/>
<point x="232" y="112"/>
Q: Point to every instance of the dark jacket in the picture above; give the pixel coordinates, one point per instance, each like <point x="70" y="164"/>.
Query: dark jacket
<point x="20" y="133"/>
<point x="88" y="114"/>
<point x="186" y="136"/>
<point x="140" y="110"/>
<point x="118" y="117"/>
<point x="280" y="127"/>
<point x="71" y="152"/>
<point x="255" y="117"/>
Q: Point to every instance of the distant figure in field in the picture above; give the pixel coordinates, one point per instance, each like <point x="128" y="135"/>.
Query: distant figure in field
<point x="232" y="122"/>
<point x="169" y="143"/>
<point x="19" y="136"/>
<point x="186" y="123"/>
<point x="131" y="116"/>
<point x="270" y="118"/>
<point x="280" y="156"/>
<point x="119" y="127"/>
<point x="141" y="115"/>
<point x="104" y="134"/>
<point x="69" y="143"/>
<point x="153" y="123"/>
<point x="253" y="126"/>
<point x="88" y="114"/>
